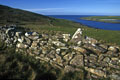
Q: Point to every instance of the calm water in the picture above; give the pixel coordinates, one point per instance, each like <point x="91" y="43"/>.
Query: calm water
<point x="94" y="24"/>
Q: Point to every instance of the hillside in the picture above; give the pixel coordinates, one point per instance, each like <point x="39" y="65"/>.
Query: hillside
<point x="12" y="15"/>
<point x="41" y="23"/>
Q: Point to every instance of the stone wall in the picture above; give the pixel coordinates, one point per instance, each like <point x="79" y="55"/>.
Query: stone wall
<point x="70" y="54"/>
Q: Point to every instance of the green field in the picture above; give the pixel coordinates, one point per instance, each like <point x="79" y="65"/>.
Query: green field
<point x="110" y="19"/>
<point x="105" y="36"/>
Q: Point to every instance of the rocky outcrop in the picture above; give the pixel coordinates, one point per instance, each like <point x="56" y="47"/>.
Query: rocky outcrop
<point x="100" y="60"/>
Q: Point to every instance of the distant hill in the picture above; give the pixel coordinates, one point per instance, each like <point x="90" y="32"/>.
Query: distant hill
<point x="12" y="15"/>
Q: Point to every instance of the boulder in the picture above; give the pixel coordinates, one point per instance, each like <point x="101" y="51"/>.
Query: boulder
<point x="34" y="38"/>
<point x="106" y="59"/>
<point x="103" y="46"/>
<point x="95" y="48"/>
<point x="114" y="76"/>
<point x="34" y="44"/>
<point x="66" y="37"/>
<point x="18" y="34"/>
<point x="97" y="72"/>
<point x="58" y="51"/>
<point x="28" y="41"/>
<point x="68" y="56"/>
<point x="77" y="61"/>
<point x="58" y="43"/>
<point x="68" y="69"/>
<point x="27" y="34"/>
<point x="80" y="49"/>
<point x="35" y="34"/>
<point x="77" y="35"/>
<point x="114" y="49"/>
<point x="90" y="40"/>
<point x="21" y="40"/>
<point x="58" y="60"/>
<point x="22" y="46"/>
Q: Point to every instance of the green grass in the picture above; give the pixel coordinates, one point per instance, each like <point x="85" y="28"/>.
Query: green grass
<point x="106" y="36"/>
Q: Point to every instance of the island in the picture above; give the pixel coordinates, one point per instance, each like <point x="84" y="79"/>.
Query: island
<point x="108" y="19"/>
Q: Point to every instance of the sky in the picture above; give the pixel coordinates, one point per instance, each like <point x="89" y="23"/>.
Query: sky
<point x="67" y="7"/>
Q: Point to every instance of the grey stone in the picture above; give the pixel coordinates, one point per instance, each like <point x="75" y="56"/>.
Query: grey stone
<point x="18" y="34"/>
<point x="114" y="49"/>
<point x="80" y="49"/>
<point x="103" y="46"/>
<point x="35" y="34"/>
<point x="107" y="59"/>
<point x="66" y="37"/>
<point x="114" y="76"/>
<point x="77" y="61"/>
<point x="68" y="56"/>
<point x="20" y="45"/>
<point x="28" y="41"/>
<point x="69" y="69"/>
<point x="58" y="43"/>
<point x="77" y="35"/>
<point x="97" y="72"/>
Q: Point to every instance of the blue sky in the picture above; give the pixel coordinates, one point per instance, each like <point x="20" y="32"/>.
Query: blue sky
<point x="67" y="7"/>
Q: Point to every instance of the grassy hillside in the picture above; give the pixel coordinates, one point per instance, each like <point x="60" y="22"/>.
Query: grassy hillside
<point x="12" y="15"/>
<point x="40" y="23"/>
<point x="110" y="19"/>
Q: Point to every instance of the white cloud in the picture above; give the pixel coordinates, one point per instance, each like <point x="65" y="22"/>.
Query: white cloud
<point x="44" y="9"/>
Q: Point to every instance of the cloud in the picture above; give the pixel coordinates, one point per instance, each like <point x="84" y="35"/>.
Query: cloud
<point x="44" y="9"/>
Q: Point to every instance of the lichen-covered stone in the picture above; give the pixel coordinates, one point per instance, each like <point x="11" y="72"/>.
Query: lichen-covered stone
<point x="77" y="61"/>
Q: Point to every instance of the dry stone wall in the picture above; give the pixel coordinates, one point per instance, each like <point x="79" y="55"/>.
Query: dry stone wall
<point x="70" y="54"/>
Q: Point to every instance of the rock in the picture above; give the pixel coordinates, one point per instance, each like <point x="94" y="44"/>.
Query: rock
<point x="114" y="76"/>
<point x="28" y="41"/>
<point x="97" y="72"/>
<point x="79" y="43"/>
<point x="77" y="61"/>
<point x="15" y="40"/>
<point x="107" y="59"/>
<point x="69" y="69"/>
<point x="113" y="54"/>
<point x="92" y="58"/>
<point x="34" y="37"/>
<point x="37" y="52"/>
<point x="68" y="56"/>
<point x="77" y="35"/>
<point x="58" y="51"/>
<point x="95" y="48"/>
<point x="27" y="34"/>
<point x="34" y="44"/>
<point x="114" y="49"/>
<point x="101" y="57"/>
<point x="35" y="34"/>
<point x="80" y="49"/>
<point x="20" y="45"/>
<point x="51" y="54"/>
<point x="21" y="40"/>
<point x="90" y="40"/>
<point x="66" y="37"/>
<point x="18" y="34"/>
<point x="8" y="30"/>
<point x="103" y="46"/>
<point x="58" y="60"/>
<point x="58" y="43"/>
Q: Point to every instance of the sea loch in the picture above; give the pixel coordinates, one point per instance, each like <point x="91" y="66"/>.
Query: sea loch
<point x="93" y="24"/>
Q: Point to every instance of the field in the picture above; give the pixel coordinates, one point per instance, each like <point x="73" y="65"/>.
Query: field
<point x="106" y="36"/>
